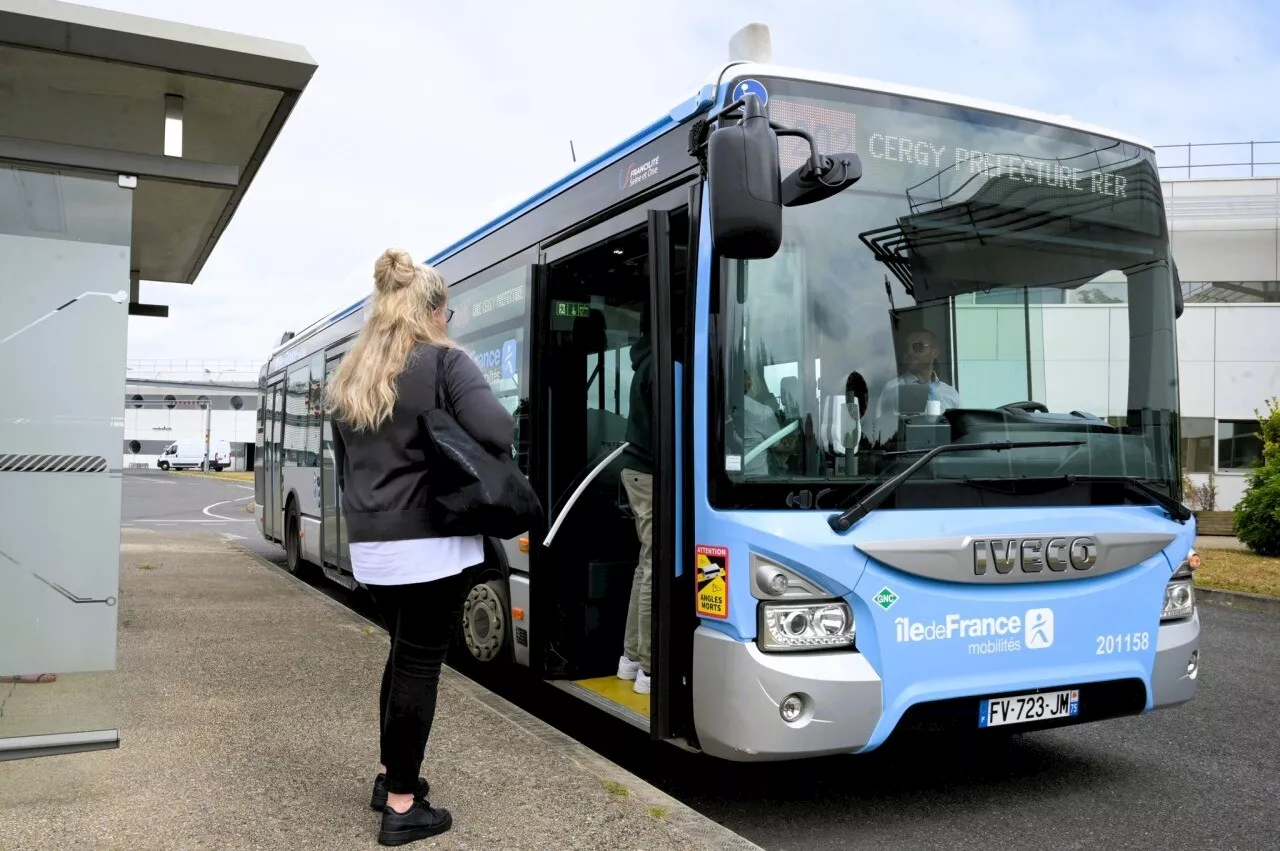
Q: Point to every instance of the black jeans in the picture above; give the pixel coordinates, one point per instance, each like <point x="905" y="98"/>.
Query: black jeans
<point x="420" y="619"/>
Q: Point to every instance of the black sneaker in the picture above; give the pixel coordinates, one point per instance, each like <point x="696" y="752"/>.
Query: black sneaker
<point x="418" y="822"/>
<point x="379" y="798"/>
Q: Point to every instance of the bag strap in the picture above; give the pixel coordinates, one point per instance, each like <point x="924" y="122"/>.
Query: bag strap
<point x="440" y="394"/>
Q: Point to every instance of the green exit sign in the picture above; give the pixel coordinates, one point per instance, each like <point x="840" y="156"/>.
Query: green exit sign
<point x="572" y="309"/>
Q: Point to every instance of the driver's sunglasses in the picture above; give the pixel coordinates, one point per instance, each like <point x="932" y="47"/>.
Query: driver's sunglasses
<point x="920" y="347"/>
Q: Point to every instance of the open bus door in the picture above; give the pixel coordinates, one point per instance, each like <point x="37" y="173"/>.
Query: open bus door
<point x="597" y="292"/>
<point x="671" y="705"/>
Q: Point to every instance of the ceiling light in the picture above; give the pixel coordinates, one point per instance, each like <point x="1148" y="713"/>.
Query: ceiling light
<point x="173" y="125"/>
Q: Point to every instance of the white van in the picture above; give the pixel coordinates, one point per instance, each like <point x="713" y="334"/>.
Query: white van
<point x="189" y="453"/>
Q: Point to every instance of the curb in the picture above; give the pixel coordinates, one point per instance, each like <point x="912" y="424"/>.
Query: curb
<point x="1239" y="600"/>
<point x="697" y="830"/>
<point x="217" y="477"/>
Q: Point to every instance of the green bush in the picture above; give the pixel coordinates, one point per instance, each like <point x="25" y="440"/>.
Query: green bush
<point x="1258" y="514"/>
<point x="1257" y="517"/>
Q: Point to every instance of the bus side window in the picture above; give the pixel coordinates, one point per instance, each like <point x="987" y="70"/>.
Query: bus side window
<point x="490" y="312"/>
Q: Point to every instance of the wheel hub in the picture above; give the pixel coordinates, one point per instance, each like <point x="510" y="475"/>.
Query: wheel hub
<point x="484" y="623"/>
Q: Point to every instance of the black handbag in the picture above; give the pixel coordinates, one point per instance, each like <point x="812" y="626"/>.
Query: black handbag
<point x="473" y="491"/>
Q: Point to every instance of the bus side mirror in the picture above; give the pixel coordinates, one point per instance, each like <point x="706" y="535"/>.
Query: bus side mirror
<point x="745" y="182"/>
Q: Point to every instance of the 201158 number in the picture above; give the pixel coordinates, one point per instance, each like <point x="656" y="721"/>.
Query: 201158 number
<point x="1125" y="642"/>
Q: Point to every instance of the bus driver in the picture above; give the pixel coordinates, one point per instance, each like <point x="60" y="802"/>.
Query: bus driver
<point x="919" y="354"/>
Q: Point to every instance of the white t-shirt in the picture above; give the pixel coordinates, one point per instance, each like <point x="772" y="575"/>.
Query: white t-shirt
<point x="414" y="560"/>
<point x="885" y="424"/>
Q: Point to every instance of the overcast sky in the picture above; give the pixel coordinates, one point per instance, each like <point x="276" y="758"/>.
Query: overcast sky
<point x="427" y="118"/>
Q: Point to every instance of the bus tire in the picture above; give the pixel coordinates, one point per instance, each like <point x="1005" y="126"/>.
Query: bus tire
<point x="485" y="623"/>
<point x="292" y="543"/>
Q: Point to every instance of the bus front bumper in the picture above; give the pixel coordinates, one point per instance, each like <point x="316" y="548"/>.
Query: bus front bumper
<point x="738" y="691"/>
<point x="1173" y="677"/>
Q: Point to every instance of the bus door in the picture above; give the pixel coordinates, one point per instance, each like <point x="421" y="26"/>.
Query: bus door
<point x="599" y="323"/>
<point x="671" y="703"/>
<point x="273" y="436"/>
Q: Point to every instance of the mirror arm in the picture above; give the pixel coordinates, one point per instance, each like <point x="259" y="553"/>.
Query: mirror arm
<point x="701" y="132"/>
<point x="702" y="127"/>
<point x="740" y="103"/>
<point x="815" y="160"/>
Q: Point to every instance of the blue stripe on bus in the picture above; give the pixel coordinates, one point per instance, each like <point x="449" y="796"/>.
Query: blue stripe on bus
<point x="681" y="112"/>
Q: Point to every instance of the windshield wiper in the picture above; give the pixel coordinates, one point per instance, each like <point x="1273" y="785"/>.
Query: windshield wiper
<point x="842" y="522"/>
<point x="1133" y="484"/>
<point x="1176" y="510"/>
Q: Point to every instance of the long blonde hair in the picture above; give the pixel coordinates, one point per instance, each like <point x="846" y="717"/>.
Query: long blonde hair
<point x="401" y="315"/>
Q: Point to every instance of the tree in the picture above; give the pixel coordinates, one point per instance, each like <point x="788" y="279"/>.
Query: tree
<point x="1270" y="431"/>
<point x="1257" y="517"/>
<point x="1200" y="497"/>
<point x="1094" y="296"/>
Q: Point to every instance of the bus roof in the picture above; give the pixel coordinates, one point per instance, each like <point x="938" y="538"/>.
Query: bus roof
<point x="1059" y="120"/>
<point x="699" y="102"/>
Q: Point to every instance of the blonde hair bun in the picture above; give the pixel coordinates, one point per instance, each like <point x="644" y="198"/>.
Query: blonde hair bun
<point x="394" y="270"/>
<point x="402" y="313"/>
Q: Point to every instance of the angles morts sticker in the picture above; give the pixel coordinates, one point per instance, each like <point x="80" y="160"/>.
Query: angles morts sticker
<point x="712" y="581"/>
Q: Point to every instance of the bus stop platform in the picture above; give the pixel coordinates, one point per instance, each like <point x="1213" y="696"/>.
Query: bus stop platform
<point x="246" y="706"/>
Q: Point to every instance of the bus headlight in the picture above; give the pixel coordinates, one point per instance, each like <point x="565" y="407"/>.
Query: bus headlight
<point x="1179" y="599"/>
<point x="1180" y="593"/>
<point x="805" y="626"/>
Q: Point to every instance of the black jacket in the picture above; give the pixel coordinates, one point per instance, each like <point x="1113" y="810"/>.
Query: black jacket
<point x="639" y="455"/>
<point x="383" y="475"/>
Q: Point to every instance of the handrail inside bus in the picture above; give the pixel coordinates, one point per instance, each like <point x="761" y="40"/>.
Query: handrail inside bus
<point x="770" y="441"/>
<point x="568" y="506"/>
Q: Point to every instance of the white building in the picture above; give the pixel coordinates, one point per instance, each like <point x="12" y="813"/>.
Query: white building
<point x="1074" y="354"/>
<point x="162" y="401"/>
<point x="1224" y="233"/>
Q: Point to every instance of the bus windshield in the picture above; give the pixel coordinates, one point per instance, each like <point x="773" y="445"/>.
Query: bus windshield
<point x="988" y="278"/>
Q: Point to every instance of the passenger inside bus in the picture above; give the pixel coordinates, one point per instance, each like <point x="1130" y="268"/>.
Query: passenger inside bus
<point x="856" y="390"/>
<point x="759" y="422"/>
<point x="857" y="395"/>
<point x="789" y="397"/>
<point x="637" y="478"/>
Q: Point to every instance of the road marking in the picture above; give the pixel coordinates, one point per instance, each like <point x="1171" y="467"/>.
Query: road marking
<point x="245" y="487"/>
<point x="151" y="480"/>
<point x="223" y="520"/>
<point x="228" y="519"/>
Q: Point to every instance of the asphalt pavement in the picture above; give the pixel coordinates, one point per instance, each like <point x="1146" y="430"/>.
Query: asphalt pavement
<point x="171" y="501"/>
<point x="1205" y="775"/>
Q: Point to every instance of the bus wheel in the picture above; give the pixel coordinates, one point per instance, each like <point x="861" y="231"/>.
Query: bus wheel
<point x="486" y="616"/>
<point x="292" y="545"/>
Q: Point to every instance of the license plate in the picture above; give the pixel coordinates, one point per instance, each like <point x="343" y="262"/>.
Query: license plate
<point x="1024" y="708"/>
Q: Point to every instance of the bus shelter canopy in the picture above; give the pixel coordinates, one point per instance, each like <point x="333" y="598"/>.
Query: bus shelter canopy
<point x="188" y="112"/>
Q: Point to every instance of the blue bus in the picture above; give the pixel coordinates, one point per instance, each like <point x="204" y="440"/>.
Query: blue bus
<point x="915" y="412"/>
